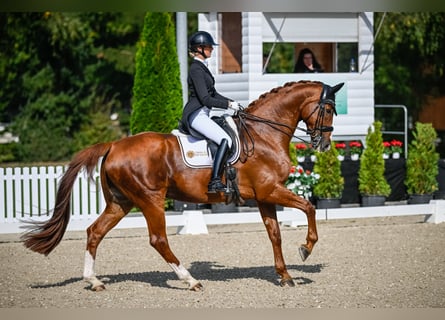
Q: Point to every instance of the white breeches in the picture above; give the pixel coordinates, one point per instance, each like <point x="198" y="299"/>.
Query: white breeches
<point x="201" y="122"/>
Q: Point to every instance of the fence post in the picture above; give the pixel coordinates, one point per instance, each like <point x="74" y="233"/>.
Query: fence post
<point x="194" y="223"/>
<point x="438" y="209"/>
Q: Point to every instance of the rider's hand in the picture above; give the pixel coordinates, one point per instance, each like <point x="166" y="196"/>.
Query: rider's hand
<point x="234" y="105"/>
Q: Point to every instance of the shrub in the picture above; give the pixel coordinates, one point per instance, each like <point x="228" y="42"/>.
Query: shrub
<point x="331" y="182"/>
<point x="371" y="175"/>
<point x="422" y="162"/>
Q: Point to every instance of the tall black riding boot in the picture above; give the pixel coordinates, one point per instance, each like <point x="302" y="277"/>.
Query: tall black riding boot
<point x="215" y="184"/>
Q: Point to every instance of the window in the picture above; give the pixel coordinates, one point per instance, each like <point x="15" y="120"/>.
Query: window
<point x="332" y="37"/>
<point x="231" y="47"/>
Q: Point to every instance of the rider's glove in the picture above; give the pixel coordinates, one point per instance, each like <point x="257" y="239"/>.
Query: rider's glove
<point x="234" y="105"/>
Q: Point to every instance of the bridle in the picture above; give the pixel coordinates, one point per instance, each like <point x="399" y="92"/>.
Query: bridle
<point x="316" y="133"/>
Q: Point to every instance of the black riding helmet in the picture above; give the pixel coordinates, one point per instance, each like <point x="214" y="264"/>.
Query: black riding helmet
<point x="199" y="40"/>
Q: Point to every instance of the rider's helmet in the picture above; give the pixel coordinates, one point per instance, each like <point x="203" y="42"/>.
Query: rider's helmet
<point x="199" y="40"/>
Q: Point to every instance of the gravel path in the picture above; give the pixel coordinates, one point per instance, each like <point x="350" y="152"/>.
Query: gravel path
<point x="385" y="262"/>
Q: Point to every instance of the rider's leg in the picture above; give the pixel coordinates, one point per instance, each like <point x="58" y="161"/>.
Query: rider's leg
<point x="201" y="122"/>
<point x="215" y="184"/>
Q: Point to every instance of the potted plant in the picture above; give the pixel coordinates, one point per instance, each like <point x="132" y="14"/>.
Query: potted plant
<point x="311" y="153"/>
<point x="301" y="150"/>
<point x="372" y="183"/>
<point x="386" y="149"/>
<point x="396" y="148"/>
<point x="301" y="181"/>
<point x="329" y="187"/>
<point x="422" y="164"/>
<point x="341" y="146"/>
<point x="355" y="150"/>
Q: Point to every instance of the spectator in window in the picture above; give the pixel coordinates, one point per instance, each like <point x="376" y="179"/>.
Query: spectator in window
<point x="307" y="63"/>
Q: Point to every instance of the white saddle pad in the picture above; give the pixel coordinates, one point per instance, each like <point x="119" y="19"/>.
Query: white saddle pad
<point x="195" y="152"/>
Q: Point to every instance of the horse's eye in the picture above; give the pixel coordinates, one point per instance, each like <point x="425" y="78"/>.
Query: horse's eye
<point x="329" y="111"/>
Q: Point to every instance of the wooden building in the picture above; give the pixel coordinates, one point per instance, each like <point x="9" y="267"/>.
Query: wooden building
<point x="239" y="60"/>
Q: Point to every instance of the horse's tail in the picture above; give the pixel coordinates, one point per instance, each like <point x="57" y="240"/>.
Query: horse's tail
<point x="44" y="236"/>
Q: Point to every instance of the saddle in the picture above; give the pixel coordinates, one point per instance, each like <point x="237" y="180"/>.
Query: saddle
<point x="198" y="152"/>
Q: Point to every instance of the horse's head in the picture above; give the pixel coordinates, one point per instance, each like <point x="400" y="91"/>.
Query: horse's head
<point x="320" y="116"/>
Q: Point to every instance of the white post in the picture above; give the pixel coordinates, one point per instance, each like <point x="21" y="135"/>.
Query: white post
<point x="438" y="215"/>
<point x="181" y="44"/>
<point x="194" y="223"/>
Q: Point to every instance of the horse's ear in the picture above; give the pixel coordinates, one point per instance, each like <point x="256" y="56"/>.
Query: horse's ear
<point x="337" y="87"/>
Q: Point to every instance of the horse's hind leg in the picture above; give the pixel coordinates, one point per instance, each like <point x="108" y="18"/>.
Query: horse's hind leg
<point x="155" y="216"/>
<point x="269" y="216"/>
<point x="112" y="214"/>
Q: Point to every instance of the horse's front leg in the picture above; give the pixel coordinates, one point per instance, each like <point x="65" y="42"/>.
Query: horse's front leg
<point x="287" y="198"/>
<point x="154" y="214"/>
<point x="269" y="216"/>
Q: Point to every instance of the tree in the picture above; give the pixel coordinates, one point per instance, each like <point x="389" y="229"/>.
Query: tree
<point x="409" y="64"/>
<point x="157" y="91"/>
<point x="58" y="71"/>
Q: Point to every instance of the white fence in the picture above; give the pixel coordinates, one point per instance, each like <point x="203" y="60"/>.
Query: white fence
<point x="29" y="193"/>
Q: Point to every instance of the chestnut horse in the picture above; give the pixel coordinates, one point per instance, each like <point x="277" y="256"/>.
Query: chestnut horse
<point x="143" y="169"/>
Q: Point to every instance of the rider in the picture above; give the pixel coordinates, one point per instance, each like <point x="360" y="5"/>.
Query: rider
<point x="203" y="97"/>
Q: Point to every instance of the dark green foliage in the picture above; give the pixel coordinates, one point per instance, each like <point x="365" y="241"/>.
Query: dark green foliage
<point x="97" y="128"/>
<point x="331" y="182"/>
<point x="157" y="91"/>
<point x="422" y="163"/>
<point x="371" y="175"/>
<point x="293" y="154"/>
<point x="7" y="152"/>
<point x="56" y="68"/>
<point x="409" y="64"/>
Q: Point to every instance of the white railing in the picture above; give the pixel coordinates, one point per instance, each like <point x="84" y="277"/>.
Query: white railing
<point x="29" y="193"/>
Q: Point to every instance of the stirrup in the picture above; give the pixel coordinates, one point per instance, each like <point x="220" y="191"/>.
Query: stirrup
<point x="216" y="185"/>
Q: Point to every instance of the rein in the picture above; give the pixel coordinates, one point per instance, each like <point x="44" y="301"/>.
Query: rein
<point x="316" y="133"/>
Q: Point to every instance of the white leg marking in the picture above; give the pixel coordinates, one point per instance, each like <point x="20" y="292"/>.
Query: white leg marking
<point x="88" y="272"/>
<point x="88" y="269"/>
<point x="184" y="275"/>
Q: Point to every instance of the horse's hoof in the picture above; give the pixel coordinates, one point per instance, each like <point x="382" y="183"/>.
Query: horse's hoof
<point x="304" y="252"/>
<point x="197" y="287"/>
<point x="287" y="283"/>
<point x="98" y="288"/>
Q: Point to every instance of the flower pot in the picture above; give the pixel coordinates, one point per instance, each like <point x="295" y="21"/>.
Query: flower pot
<point x="419" y="198"/>
<point x="301" y="159"/>
<point x="326" y="203"/>
<point x="222" y="207"/>
<point x="355" y="156"/>
<point x="396" y="155"/>
<point x="439" y="194"/>
<point x="341" y="157"/>
<point x="373" y="201"/>
<point x="386" y="156"/>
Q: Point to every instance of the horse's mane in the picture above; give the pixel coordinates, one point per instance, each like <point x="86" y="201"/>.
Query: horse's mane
<point x="277" y="90"/>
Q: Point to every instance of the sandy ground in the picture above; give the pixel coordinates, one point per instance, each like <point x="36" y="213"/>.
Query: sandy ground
<point x="396" y="262"/>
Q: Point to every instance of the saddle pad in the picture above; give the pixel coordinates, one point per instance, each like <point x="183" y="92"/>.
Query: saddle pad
<point x="195" y="152"/>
